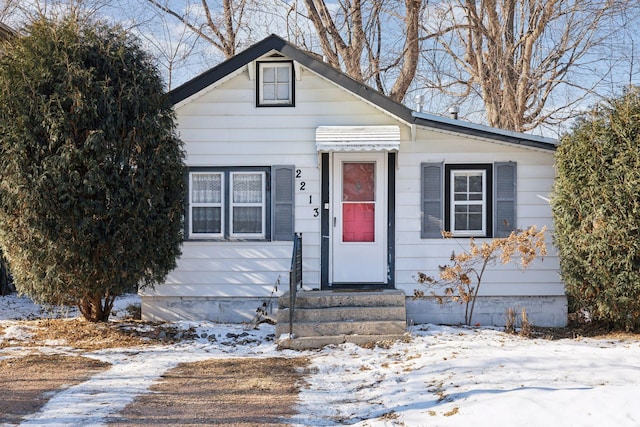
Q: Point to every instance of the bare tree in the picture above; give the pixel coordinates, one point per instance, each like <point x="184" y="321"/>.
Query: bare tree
<point x="354" y="35"/>
<point x="175" y="47"/>
<point x="373" y="41"/>
<point x="514" y="64"/>
<point x="8" y="8"/>
<point x="520" y="55"/>
<point x="218" y="22"/>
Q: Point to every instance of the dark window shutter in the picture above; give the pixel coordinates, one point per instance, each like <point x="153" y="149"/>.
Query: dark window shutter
<point x="504" y="198"/>
<point x="187" y="207"/>
<point x="431" y="203"/>
<point x="283" y="202"/>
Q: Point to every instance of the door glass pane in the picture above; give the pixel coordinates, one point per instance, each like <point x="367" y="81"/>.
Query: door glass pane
<point x="358" y="222"/>
<point x="358" y="202"/>
<point x="358" y="182"/>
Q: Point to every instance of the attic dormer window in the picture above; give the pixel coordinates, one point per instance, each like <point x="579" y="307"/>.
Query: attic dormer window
<point x="275" y="83"/>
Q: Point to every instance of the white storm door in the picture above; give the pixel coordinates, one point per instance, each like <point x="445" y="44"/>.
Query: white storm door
<point x="359" y="218"/>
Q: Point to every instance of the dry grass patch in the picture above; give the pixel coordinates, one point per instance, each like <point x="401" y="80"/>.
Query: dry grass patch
<point x="28" y="382"/>
<point x="81" y="334"/>
<point x="232" y="392"/>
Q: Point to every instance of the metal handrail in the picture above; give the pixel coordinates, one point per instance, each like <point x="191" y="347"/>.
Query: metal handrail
<point x="295" y="277"/>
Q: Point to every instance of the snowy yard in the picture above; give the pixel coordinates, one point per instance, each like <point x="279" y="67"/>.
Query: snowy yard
<point x="445" y="376"/>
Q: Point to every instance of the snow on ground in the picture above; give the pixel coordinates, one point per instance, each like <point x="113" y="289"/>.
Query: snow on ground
<point x="482" y="377"/>
<point x="445" y="376"/>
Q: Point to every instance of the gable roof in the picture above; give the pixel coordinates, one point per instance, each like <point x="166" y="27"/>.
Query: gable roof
<point x="309" y="61"/>
<point x="275" y="43"/>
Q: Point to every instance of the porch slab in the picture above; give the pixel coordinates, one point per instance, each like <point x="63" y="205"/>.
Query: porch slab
<point x="346" y="298"/>
<point x="311" y="343"/>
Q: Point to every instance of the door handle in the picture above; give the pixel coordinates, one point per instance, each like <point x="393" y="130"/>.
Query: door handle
<point x="334" y="221"/>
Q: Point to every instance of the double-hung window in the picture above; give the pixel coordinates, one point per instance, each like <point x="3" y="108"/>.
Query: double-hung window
<point x="240" y="203"/>
<point x="206" y="204"/>
<point x="275" y="83"/>
<point x="473" y="200"/>
<point x="247" y="204"/>
<point x="468" y="202"/>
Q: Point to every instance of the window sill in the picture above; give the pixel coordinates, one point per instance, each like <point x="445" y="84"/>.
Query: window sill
<point x="288" y="104"/>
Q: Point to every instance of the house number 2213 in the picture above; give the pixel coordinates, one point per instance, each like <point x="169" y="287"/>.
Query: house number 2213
<point x="303" y="187"/>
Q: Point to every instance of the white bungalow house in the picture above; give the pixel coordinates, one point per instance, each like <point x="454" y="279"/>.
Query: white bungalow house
<point x="278" y="143"/>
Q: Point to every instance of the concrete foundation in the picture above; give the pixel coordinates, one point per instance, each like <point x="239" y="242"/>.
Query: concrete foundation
<point x="213" y="309"/>
<point x="545" y="311"/>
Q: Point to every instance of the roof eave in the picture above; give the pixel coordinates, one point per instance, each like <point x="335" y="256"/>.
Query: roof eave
<point x="214" y="74"/>
<point x="487" y="132"/>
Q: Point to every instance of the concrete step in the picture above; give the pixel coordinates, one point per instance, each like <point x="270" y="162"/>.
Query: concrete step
<point x="333" y="317"/>
<point x="337" y="314"/>
<point x="308" y="343"/>
<point x="319" y="329"/>
<point x="350" y="298"/>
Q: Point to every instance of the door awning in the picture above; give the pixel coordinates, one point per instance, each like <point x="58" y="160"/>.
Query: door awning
<point x="358" y="138"/>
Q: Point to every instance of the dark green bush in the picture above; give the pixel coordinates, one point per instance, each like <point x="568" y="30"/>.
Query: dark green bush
<point x="596" y="211"/>
<point x="91" y="189"/>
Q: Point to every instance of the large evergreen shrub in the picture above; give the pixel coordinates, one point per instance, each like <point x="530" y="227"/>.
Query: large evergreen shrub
<point x="596" y="211"/>
<point x="91" y="184"/>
